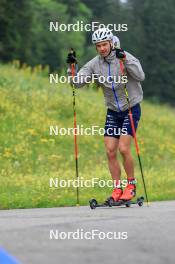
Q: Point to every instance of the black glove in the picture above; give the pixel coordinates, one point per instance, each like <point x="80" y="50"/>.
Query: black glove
<point x="71" y="57"/>
<point x="120" y="54"/>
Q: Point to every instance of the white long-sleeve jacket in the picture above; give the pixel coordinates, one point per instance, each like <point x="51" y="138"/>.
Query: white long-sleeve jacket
<point x="99" y="67"/>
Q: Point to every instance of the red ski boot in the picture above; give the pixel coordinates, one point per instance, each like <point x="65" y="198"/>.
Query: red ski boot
<point x="116" y="194"/>
<point x="130" y="190"/>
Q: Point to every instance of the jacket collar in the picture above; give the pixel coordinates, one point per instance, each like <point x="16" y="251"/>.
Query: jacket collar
<point x="110" y="57"/>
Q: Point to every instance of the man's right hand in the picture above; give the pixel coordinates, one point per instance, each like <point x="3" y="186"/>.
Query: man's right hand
<point x="71" y="57"/>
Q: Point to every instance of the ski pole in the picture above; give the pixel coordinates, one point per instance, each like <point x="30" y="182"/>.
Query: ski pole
<point x="75" y="132"/>
<point x="134" y="133"/>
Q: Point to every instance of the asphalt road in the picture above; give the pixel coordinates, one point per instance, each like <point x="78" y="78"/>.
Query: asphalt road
<point x="137" y="234"/>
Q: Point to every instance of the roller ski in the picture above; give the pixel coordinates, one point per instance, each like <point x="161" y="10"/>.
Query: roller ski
<point x="120" y="197"/>
<point x="110" y="203"/>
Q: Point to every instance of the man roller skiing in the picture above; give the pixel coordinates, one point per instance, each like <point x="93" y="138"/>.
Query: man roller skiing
<point x="108" y="64"/>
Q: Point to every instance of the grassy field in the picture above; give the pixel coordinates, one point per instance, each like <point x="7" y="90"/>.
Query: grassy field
<point x="30" y="156"/>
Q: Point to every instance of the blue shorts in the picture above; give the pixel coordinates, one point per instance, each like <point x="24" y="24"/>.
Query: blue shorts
<point x="118" y="123"/>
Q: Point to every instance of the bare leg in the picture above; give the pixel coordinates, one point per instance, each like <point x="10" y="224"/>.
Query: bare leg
<point x="125" y="150"/>
<point x="111" y="145"/>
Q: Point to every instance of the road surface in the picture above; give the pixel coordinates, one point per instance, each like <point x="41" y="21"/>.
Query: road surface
<point x="106" y="235"/>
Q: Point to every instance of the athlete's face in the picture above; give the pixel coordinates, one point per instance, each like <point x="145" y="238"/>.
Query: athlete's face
<point x="103" y="48"/>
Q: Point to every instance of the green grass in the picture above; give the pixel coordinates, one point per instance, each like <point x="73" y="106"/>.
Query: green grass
<point x="29" y="156"/>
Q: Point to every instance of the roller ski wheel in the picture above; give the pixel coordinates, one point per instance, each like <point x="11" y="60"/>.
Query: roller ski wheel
<point x="128" y="203"/>
<point x="110" y="201"/>
<point x="93" y="203"/>
<point x="140" y="201"/>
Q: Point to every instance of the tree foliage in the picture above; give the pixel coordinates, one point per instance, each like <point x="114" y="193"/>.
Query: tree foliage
<point x="25" y="35"/>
